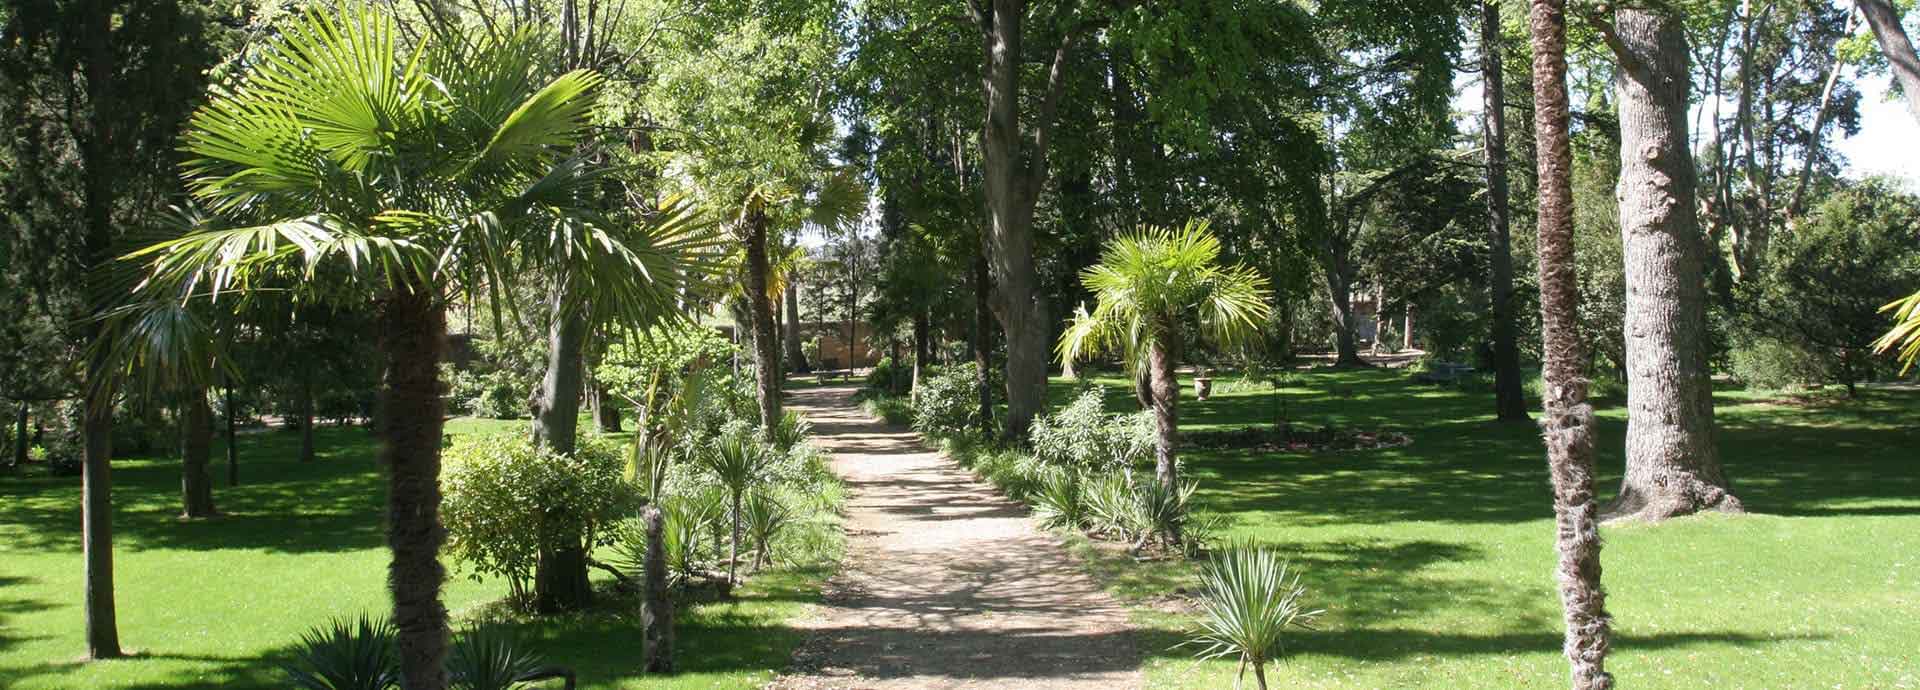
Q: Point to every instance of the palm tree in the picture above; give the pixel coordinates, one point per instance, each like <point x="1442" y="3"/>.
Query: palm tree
<point x="1904" y="337"/>
<point x="410" y="173"/>
<point x="1153" y="286"/>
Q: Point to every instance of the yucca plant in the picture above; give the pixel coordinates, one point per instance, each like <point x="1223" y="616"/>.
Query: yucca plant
<point x="1108" y="498"/>
<point x="738" y="460"/>
<point x="1248" y="601"/>
<point x="766" y="517"/>
<point x="1158" y="511"/>
<point x="1058" y="501"/>
<point x="485" y="658"/>
<point x="346" y="655"/>
<point x="790" y="431"/>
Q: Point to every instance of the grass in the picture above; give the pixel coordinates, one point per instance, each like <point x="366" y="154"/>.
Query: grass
<point x="1435" y="560"/>
<point x="218" y="603"/>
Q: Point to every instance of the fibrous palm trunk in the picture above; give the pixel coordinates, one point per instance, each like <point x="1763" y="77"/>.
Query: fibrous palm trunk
<point x="560" y="572"/>
<point x="766" y="352"/>
<point x="1567" y="424"/>
<point x="1509" y="403"/>
<point x="413" y="335"/>
<point x="656" y="611"/>
<point x="196" y="449"/>
<point x="1673" y="465"/>
<point x="1166" y="412"/>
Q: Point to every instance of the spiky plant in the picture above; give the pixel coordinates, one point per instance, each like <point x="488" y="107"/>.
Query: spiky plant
<point x="346" y="655"/>
<point x="766" y="518"/>
<point x="1249" y="599"/>
<point x="1158" y="511"/>
<point x="1059" y="501"/>
<point x="485" y="658"/>
<point x="792" y="430"/>
<point x="738" y="460"/>
<point x="1904" y="338"/>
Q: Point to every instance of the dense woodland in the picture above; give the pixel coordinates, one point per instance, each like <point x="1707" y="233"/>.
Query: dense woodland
<point x="630" y="222"/>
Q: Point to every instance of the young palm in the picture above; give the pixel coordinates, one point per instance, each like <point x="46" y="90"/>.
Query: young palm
<point x="405" y="174"/>
<point x="1904" y="338"/>
<point x="738" y="460"/>
<point x="1156" y="288"/>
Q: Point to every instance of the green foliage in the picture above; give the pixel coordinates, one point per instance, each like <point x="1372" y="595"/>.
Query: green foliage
<point x="496" y="394"/>
<point x="791" y="430"/>
<point x="766" y="520"/>
<point x="1157" y="512"/>
<point x="346" y="655"/>
<point x="1154" y="286"/>
<point x="1083" y="435"/>
<point x="1059" y="503"/>
<point x="1248" y="602"/>
<point x="1772" y="364"/>
<point x="947" y="401"/>
<point x="487" y="658"/>
<point x="888" y="376"/>
<point x="504" y="497"/>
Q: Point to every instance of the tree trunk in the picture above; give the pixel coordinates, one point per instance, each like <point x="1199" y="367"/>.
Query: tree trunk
<point x="1568" y="422"/>
<point x="20" y="436"/>
<point x="1166" y="412"/>
<point x="1673" y="466"/>
<point x="656" y="608"/>
<point x="1379" y="319"/>
<point x="790" y="302"/>
<point x="606" y="410"/>
<point x="233" y="441"/>
<point x="306" y="418"/>
<point x="196" y="449"/>
<point x="96" y="515"/>
<point x="982" y="344"/>
<point x="1897" y="49"/>
<point x="922" y="349"/>
<point x="1340" y="298"/>
<point x="733" y="552"/>
<point x="1509" y="403"/>
<point x="766" y="353"/>
<point x="1013" y="173"/>
<point x="560" y="581"/>
<point x="413" y="336"/>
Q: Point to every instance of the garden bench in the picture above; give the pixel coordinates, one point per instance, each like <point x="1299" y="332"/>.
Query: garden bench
<point x="1444" y="373"/>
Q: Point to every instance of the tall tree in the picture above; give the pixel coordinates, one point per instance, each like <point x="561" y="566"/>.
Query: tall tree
<point x="1673" y="462"/>
<point x="1887" y="29"/>
<point x="1509" y="403"/>
<point x="1567" y="423"/>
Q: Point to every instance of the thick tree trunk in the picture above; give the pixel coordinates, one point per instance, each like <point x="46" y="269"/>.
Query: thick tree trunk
<point x="1567" y="424"/>
<point x="656" y="612"/>
<point x="1013" y="174"/>
<point x="560" y="580"/>
<point x="606" y="410"/>
<point x="1673" y="466"/>
<point x="790" y="303"/>
<point x="196" y="450"/>
<point x="1897" y="49"/>
<point x="982" y="343"/>
<point x="1509" y="403"/>
<point x="96" y="516"/>
<point x="1340" y="299"/>
<point x="306" y="418"/>
<point x="413" y="335"/>
<point x="766" y="352"/>
<point x="1166" y="414"/>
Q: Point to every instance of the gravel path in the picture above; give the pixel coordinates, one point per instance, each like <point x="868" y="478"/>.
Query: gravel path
<point x="946" y="584"/>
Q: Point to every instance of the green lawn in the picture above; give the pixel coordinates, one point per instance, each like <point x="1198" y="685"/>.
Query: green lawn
<point x="1435" y="560"/>
<point x="218" y="603"/>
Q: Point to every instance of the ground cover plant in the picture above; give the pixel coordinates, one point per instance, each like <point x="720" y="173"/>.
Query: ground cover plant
<point x="222" y="602"/>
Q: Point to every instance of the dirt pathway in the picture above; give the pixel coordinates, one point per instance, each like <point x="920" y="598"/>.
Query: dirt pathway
<point x="947" y="584"/>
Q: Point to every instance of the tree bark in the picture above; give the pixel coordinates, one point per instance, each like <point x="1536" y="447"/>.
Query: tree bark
<point x="790" y="302"/>
<point x="766" y="353"/>
<point x="306" y="418"/>
<point x="233" y="440"/>
<point x="1673" y="466"/>
<point x="922" y="348"/>
<point x="196" y="449"/>
<point x="656" y="608"/>
<point x="1509" y="403"/>
<point x="1567" y="424"/>
<point x="982" y="343"/>
<point x="1014" y="170"/>
<point x="1166" y="412"/>
<point x="20" y="436"/>
<point x="560" y="581"/>
<point x="1340" y="299"/>
<point x="1897" y="49"/>
<point x="413" y="336"/>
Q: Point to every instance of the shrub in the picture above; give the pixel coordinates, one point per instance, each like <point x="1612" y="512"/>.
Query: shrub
<point x="503" y="498"/>
<point x="486" y="659"/>
<point x="1058" y="501"/>
<point x="947" y="402"/>
<point x="888" y="376"/>
<point x="766" y="519"/>
<point x="1248" y="601"/>
<point x="346" y="655"/>
<point x="790" y="431"/>
<point x="1082" y="434"/>
<point x="1109" y="504"/>
<point x="1770" y="363"/>
<point x="1158" y="512"/>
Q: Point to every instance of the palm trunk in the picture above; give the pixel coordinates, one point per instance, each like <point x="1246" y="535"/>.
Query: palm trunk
<point x="1166" y="412"/>
<point x="1897" y="49"/>
<point x="656" y="612"/>
<point x="560" y="580"/>
<point x="1509" y="402"/>
<point x="413" y="336"/>
<point x="1673" y="465"/>
<point x="766" y="353"/>
<point x="1568" y="422"/>
<point x="306" y="418"/>
<point x="196" y="448"/>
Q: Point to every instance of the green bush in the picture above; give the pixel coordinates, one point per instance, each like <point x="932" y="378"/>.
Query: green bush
<point x="503" y="498"/>
<point x="1082" y="434"/>
<point x="947" y="401"/>
<point x="346" y="655"/>
<point x="1773" y="364"/>
<point x="888" y="376"/>
<point x="1058" y="502"/>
